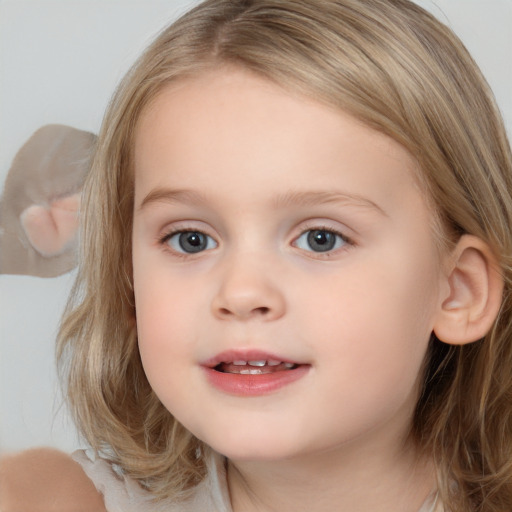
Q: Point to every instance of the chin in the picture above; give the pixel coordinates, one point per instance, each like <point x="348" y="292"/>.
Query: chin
<point x="244" y="450"/>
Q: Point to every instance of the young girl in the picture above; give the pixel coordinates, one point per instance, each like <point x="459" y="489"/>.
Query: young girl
<point x="295" y="291"/>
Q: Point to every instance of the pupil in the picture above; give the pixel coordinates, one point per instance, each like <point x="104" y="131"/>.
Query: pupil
<point x="192" y="241"/>
<point x="321" y="241"/>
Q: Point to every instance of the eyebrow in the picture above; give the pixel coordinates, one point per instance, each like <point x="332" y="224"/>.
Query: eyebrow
<point x="312" y="198"/>
<point x="168" y="195"/>
<point x="285" y="200"/>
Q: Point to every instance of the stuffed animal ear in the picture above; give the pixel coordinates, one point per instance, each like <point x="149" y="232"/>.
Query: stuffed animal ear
<point x="40" y="206"/>
<point x="475" y="288"/>
<point x="52" y="229"/>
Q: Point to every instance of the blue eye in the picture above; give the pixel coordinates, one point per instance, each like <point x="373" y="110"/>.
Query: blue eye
<point x="320" y="240"/>
<point x="190" y="242"/>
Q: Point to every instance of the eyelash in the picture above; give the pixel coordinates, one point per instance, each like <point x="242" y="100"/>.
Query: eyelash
<point x="346" y="241"/>
<point x="164" y="241"/>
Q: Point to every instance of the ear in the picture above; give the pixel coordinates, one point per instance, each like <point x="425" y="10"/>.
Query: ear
<point x="475" y="288"/>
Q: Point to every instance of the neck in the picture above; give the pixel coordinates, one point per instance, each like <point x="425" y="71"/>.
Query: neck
<point x="346" y="478"/>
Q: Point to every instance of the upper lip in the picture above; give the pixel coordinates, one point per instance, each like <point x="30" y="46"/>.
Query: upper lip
<point x="229" y="356"/>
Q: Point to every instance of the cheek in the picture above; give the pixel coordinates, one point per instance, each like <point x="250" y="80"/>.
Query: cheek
<point x="159" y="309"/>
<point x="374" y="320"/>
<point x="165" y="360"/>
<point x="168" y="307"/>
<point x="161" y="300"/>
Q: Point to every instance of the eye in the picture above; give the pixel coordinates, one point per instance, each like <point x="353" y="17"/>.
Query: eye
<point x="320" y="240"/>
<point x="190" y="242"/>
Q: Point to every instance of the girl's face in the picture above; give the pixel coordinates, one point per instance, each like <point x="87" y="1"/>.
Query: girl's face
<point x="286" y="277"/>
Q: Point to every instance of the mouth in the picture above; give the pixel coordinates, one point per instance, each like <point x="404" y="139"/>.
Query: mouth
<point x="252" y="373"/>
<point x="257" y="367"/>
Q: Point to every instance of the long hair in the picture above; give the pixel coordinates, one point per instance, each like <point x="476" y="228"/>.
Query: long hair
<point x="399" y="70"/>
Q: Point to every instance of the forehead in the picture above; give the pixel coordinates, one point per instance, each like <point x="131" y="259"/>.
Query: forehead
<point x="232" y="125"/>
<point x="194" y="95"/>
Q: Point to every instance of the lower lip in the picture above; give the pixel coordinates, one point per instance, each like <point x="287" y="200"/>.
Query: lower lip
<point x="254" y="385"/>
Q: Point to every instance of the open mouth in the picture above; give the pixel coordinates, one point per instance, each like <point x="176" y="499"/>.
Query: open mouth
<point x="258" y="367"/>
<point x="252" y="372"/>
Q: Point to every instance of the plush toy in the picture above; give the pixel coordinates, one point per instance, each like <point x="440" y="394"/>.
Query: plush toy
<point x="41" y="200"/>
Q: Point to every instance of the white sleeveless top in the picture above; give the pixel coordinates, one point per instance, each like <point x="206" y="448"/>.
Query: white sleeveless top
<point x="123" y="494"/>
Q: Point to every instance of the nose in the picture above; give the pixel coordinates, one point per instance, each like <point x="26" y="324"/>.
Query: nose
<point x="248" y="292"/>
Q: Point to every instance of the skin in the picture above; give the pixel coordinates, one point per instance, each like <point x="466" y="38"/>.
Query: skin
<point x="359" y="316"/>
<point x="46" y="480"/>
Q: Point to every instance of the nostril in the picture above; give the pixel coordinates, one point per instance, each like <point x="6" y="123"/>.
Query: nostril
<point x="263" y="311"/>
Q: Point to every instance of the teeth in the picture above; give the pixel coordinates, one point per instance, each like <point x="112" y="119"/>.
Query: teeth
<point x="251" y="372"/>
<point x="260" y="364"/>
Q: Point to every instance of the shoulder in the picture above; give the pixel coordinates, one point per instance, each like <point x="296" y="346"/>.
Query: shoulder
<point x="45" y="479"/>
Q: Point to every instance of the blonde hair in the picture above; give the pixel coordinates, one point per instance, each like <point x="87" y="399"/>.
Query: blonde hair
<point x="396" y="68"/>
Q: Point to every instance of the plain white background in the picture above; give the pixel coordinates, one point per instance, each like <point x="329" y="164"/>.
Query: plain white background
<point x="60" y="61"/>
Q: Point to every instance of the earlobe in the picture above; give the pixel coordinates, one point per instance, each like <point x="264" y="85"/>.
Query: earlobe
<point x="475" y="287"/>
